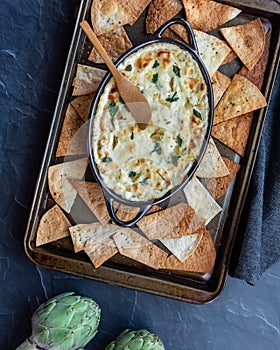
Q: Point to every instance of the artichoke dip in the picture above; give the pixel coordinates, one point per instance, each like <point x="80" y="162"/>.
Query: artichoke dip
<point x="142" y="165"/>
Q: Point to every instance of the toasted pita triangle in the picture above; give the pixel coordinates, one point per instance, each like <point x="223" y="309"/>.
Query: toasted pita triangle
<point x="126" y="213"/>
<point x="234" y="132"/>
<point x="134" y="246"/>
<point x="115" y="42"/>
<point x="107" y="15"/>
<point x="220" y="83"/>
<point x="60" y="188"/>
<point x="179" y="220"/>
<point x="212" y="164"/>
<point x="87" y="79"/>
<point x="136" y="7"/>
<point x="247" y="41"/>
<point x="53" y="226"/>
<point x="73" y="135"/>
<point x="207" y="15"/>
<point x="201" y="201"/>
<point x="230" y="57"/>
<point x="212" y="50"/>
<point x="256" y="75"/>
<point x="202" y="260"/>
<point x="241" y="97"/>
<point x="218" y="186"/>
<point x="91" y="193"/>
<point x="95" y="240"/>
<point x="84" y="235"/>
<point x="161" y="11"/>
<point x="82" y="105"/>
<point x="183" y="246"/>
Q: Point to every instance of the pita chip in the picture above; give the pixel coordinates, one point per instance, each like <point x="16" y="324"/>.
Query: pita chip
<point x="91" y="193"/>
<point x="234" y="132"/>
<point x="218" y="186"/>
<point x="95" y="240"/>
<point x="212" y="164"/>
<point x="136" y="7"/>
<point x="183" y="246"/>
<point x="207" y="15"/>
<point x="241" y="97"/>
<point x="87" y="79"/>
<point x="230" y="57"/>
<point x="176" y="221"/>
<point x="126" y="213"/>
<point x="60" y="188"/>
<point x="212" y="50"/>
<point x="115" y="43"/>
<point x="202" y="260"/>
<point x="107" y="15"/>
<point x="247" y="41"/>
<point x="53" y="226"/>
<point x="73" y="135"/>
<point x="82" y="105"/>
<point x="220" y="83"/>
<point x="134" y="246"/>
<point x="161" y="11"/>
<point x="201" y="201"/>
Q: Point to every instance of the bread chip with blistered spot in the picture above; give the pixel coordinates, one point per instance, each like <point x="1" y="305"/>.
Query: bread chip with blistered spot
<point x="247" y="41"/>
<point x="72" y="138"/>
<point x="115" y="43"/>
<point x="91" y="193"/>
<point x="241" y="97"/>
<point x="53" y="226"/>
<point x="202" y="260"/>
<point x="161" y="11"/>
<point x="176" y="221"/>
<point x="87" y="79"/>
<point x="107" y="15"/>
<point x="82" y="105"/>
<point x="134" y="246"/>
<point x="207" y="15"/>
<point x="218" y="186"/>
<point x="60" y="188"/>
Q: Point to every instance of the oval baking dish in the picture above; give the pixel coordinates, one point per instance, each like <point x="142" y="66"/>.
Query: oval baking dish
<point x="144" y="168"/>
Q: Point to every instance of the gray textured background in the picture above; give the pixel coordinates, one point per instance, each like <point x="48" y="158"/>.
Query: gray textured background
<point x="35" y="37"/>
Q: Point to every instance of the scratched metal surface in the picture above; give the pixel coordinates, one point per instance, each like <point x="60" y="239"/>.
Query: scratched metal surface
<point x="34" y="39"/>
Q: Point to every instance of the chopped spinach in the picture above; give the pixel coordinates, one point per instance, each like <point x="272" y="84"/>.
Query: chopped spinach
<point x="179" y="140"/>
<point x="113" y="109"/>
<point x="132" y="135"/>
<point x="174" y="159"/>
<point x="156" y="64"/>
<point x="131" y="174"/>
<point x="156" y="149"/>
<point x="155" y="78"/>
<point x="173" y="98"/>
<point x="176" y="71"/>
<point x="107" y="159"/>
<point x="128" y="68"/>
<point x="197" y="114"/>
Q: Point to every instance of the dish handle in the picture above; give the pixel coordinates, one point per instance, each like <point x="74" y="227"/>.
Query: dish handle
<point x="112" y="213"/>
<point x="185" y="24"/>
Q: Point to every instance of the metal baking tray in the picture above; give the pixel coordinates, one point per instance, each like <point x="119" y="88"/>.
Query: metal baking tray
<point x="189" y="287"/>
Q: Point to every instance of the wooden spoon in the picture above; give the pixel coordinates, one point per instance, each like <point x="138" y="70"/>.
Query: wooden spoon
<point x="132" y="96"/>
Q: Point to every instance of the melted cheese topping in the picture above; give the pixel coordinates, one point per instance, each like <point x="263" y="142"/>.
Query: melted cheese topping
<point x="141" y="165"/>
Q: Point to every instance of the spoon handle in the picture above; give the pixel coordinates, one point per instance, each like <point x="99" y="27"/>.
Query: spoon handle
<point x="94" y="40"/>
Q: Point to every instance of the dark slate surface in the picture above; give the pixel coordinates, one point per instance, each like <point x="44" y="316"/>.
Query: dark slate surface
<point x="34" y="39"/>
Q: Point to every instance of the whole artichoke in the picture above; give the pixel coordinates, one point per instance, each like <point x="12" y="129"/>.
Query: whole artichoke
<point x="136" y="340"/>
<point x="65" y="322"/>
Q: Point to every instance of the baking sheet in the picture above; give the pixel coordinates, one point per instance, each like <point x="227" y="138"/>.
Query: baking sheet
<point x="189" y="287"/>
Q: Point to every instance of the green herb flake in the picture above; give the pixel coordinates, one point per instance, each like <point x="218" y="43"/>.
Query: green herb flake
<point x="128" y="68"/>
<point x="197" y="114"/>
<point x="155" y="65"/>
<point x="132" y="136"/>
<point x="107" y="159"/>
<point x="156" y="149"/>
<point x="174" y="159"/>
<point x="176" y="71"/>
<point x="179" y="140"/>
<point x="155" y="78"/>
<point x="131" y="174"/>
<point x="113" y="108"/>
<point x="173" y="98"/>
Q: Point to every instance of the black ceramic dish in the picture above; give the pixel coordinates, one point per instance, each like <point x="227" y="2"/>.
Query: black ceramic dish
<point x="111" y="196"/>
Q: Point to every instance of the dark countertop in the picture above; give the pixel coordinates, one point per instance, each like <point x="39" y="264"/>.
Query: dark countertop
<point x="35" y="38"/>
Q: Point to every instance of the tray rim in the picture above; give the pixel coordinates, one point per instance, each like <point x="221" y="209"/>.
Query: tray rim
<point x="183" y="293"/>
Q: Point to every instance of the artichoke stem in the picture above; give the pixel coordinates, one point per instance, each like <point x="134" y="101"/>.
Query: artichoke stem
<point x="27" y="345"/>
